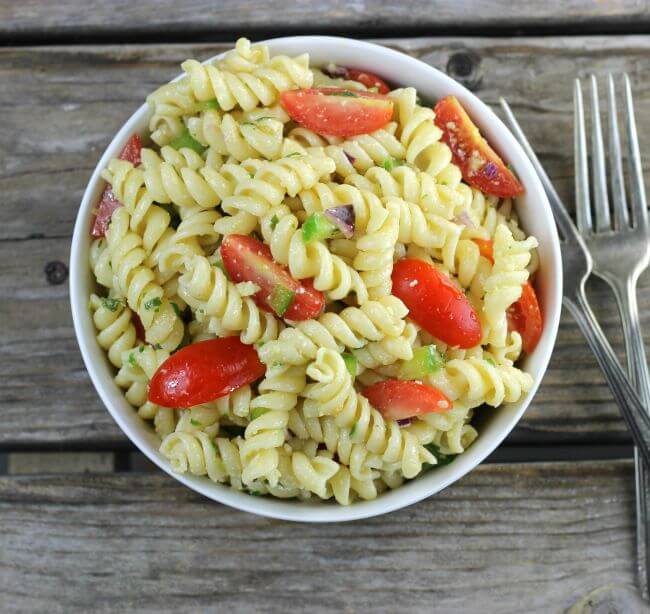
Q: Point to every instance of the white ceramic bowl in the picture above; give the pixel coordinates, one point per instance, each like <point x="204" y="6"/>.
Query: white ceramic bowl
<point x="536" y="218"/>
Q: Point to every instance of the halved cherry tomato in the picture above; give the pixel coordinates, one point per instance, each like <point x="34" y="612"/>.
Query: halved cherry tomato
<point x="107" y="201"/>
<point x="335" y="111"/>
<point x="486" y="248"/>
<point x="435" y="303"/>
<point x="525" y="317"/>
<point x="368" y="79"/>
<point x="247" y="259"/>
<point x="480" y="164"/>
<point x="399" y="399"/>
<point x="204" y="371"/>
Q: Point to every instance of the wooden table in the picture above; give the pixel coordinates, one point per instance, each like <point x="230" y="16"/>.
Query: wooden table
<point x="87" y="524"/>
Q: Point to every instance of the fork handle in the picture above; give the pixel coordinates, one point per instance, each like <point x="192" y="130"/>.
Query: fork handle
<point x="635" y="414"/>
<point x="637" y="366"/>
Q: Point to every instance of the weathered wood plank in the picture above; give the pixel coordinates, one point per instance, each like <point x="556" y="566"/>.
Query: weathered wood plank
<point x="73" y="99"/>
<point x="506" y="538"/>
<point x="22" y="463"/>
<point x="36" y="20"/>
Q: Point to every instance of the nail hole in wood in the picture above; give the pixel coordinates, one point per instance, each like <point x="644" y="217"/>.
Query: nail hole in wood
<point x="464" y="66"/>
<point x="56" y="272"/>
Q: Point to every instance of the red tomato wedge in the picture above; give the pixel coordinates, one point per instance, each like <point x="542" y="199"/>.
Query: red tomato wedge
<point x="525" y="317"/>
<point x="131" y="151"/>
<point x="399" y="399"/>
<point x="247" y="259"/>
<point x="435" y="303"/>
<point x="486" y="248"/>
<point x="368" y="79"/>
<point x="335" y="111"/>
<point x="480" y="164"/>
<point x="204" y="371"/>
<point x="107" y="201"/>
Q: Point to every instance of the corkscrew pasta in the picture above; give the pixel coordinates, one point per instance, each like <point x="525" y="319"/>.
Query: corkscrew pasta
<point x="225" y="156"/>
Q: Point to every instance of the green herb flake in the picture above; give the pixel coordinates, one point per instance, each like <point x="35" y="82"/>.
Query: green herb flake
<point x="141" y="349"/>
<point x="258" y="411"/>
<point x="157" y="346"/>
<point x="177" y="310"/>
<point x="194" y="422"/>
<point x="132" y="361"/>
<point x="255" y="493"/>
<point x="490" y="361"/>
<point x="351" y="363"/>
<point x="344" y="93"/>
<point x="295" y="154"/>
<point x="186" y="140"/>
<point x="353" y="430"/>
<point x="112" y="304"/>
<point x="251" y="175"/>
<point x="274" y="221"/>
<point x="206" y="105"/>
<point x="442" y="458"/>
<point x="153" y="303"/>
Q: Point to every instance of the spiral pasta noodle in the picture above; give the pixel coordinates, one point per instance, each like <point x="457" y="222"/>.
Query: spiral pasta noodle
<point x="353" y="327"/>
<point x="133" y="280"/>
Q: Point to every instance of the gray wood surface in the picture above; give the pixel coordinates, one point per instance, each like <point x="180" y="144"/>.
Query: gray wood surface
<point x="121" y="19"/>
<point x="507" y="539"/>
<point x="65" y="103"/>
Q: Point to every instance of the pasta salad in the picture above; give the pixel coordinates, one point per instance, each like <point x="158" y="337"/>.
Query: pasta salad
<point x="309" y="280"/>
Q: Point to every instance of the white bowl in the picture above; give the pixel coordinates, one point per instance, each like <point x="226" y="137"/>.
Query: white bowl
<point x="536" y="218"/>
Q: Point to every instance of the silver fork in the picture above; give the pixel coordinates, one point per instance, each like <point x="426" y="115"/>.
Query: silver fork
<point x="620" y="248"/>
<point x="576" y="267"/>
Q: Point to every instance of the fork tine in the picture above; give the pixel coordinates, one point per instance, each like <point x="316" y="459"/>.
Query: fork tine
<point x="621" y="217"/>
<point x="562" y="218"/>
<point x="583" y="211"/>
<point x="598" y="171"/>
<point x="639" y="206"/>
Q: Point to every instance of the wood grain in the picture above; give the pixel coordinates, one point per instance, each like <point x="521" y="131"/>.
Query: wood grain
<point x="506" y="539"/>
<point x="34" y="20"/>
<point x="73" y="99"/>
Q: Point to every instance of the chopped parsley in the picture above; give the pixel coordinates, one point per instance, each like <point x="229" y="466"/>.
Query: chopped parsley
<point x="353" y="430"/>
<point x="344" y="93"/>
<point x="258" y="411"/>
<point x="112" y="304"/>
<point x="132" y="361"/>
<point x="153" y="303"/>
<point x="295" y="154"/>
<point x="255" y="493"/>
<point x="251" y="175"/>
<point x="177" y="310"/>
<point x="274" y="222"/>
<point x="490" y="361"/>
<point x="141" y="349"/>
<point x="194" y="422"/>
<point x="390" y="163"/>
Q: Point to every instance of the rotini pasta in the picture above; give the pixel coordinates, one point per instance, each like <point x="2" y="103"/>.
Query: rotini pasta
<point x="245" y="226"/>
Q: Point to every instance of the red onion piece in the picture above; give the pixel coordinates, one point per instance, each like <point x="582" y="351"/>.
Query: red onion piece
<point x="343" y="217"/>
<point x="464" y="219"/>
<point x="490" y="170"/>
<point x="405" y="421"/>
<point x="351" y="159"/>
<point x="335" y="72"/>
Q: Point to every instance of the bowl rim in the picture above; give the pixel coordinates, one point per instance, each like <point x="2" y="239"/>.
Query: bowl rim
<point x="424" y="486"/>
